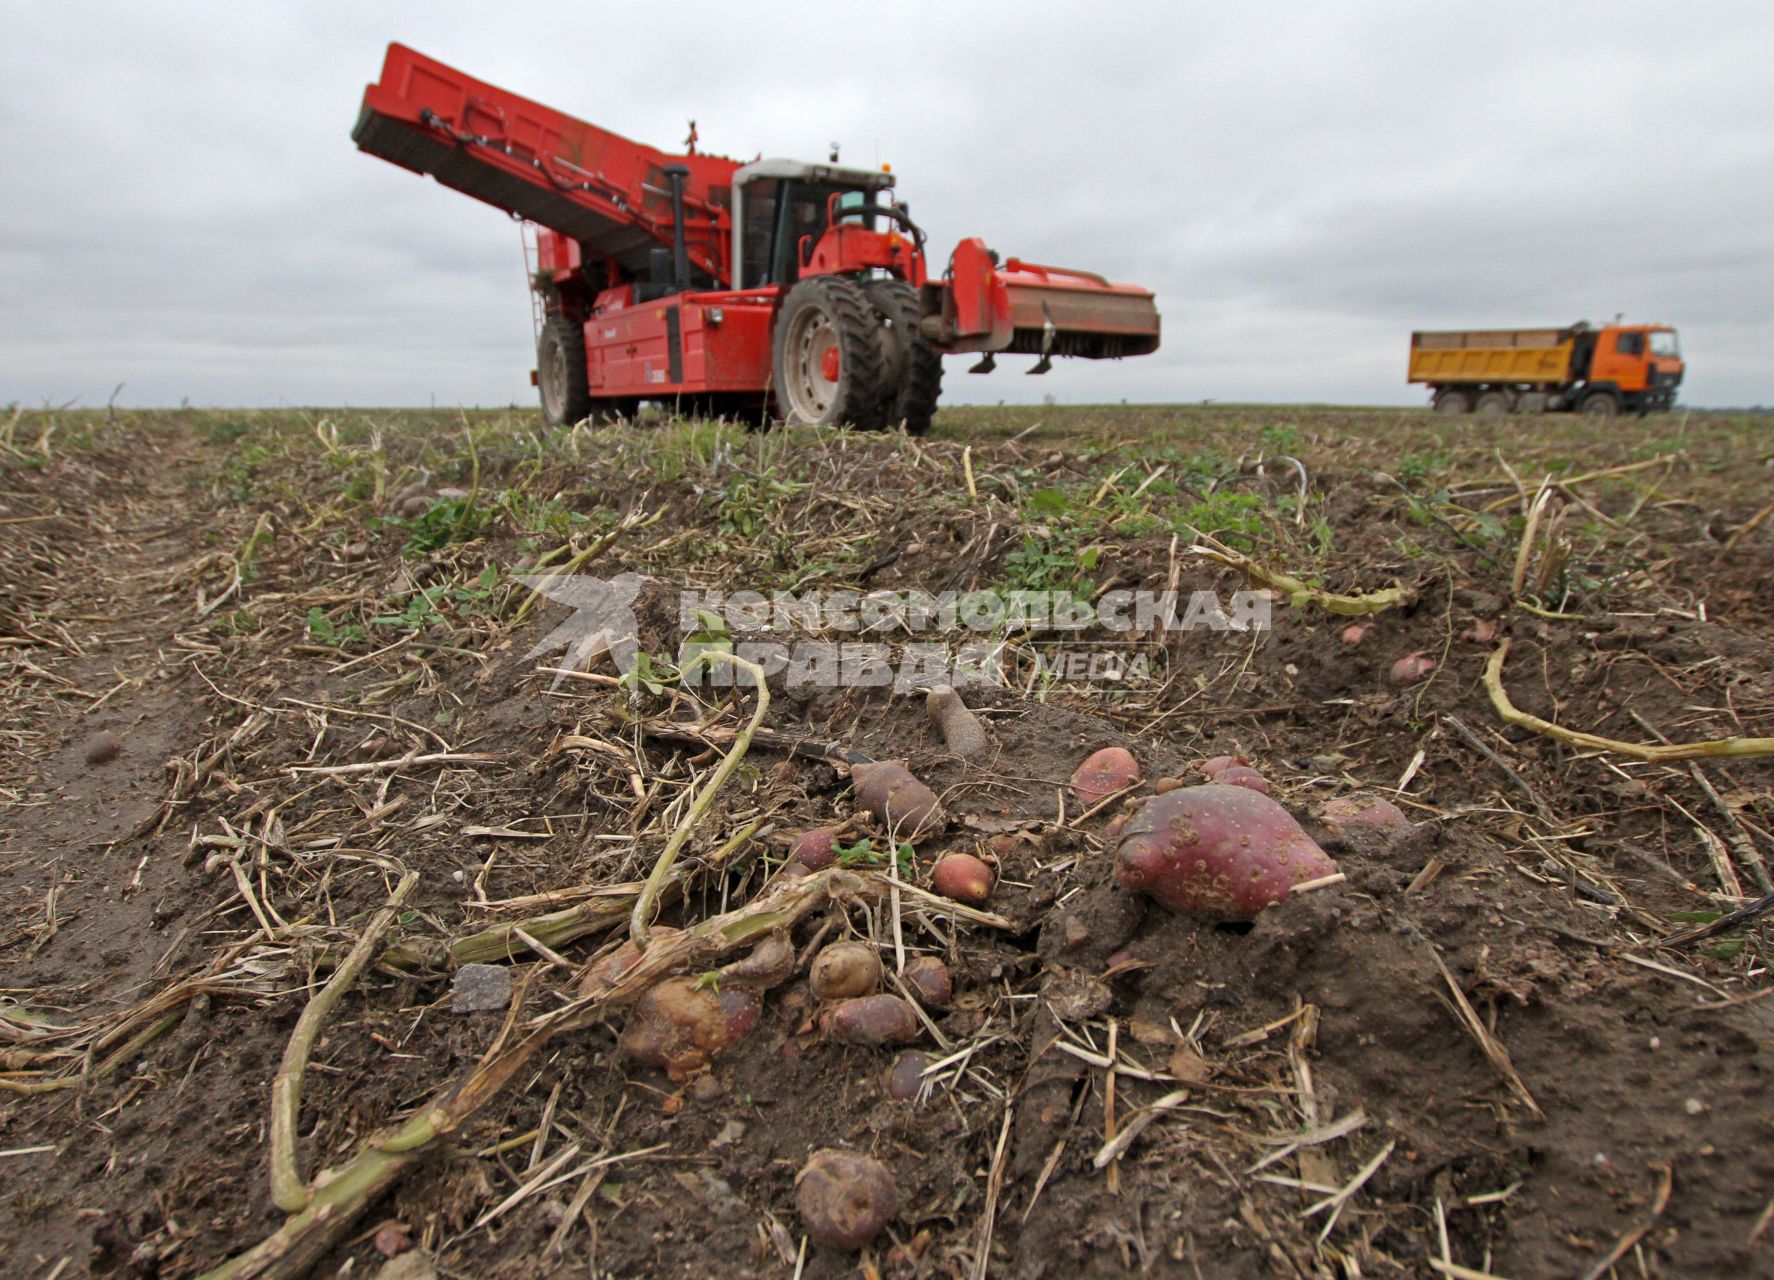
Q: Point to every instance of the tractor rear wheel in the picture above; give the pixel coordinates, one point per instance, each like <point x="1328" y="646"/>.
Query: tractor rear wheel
<point x="1598" y="404"/>
<point x="826" y="355"/>
<point x="560" y="372"/>
<point x="913" y="372"/>
<point x="1453" y="400"/>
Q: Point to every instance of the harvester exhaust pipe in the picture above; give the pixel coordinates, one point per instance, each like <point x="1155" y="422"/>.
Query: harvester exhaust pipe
<point x="678" y="174"/>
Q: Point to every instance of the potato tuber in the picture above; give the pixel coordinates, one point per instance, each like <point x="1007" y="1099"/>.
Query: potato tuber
<point x="845" y="1199"/>
<point x="962" y="731"/>
<point x="1104" y="773"/>
<point x="928" y="979"/>
<point x="816" y="849"/>
<point x="1362" y="812"/>
<point x="1412" y="668"/>
<point x="845" y="969"/>
<point x="905" y="1078"/>
<point x="872" y="1020"/>
<point x="961" y="877"/>
<point x="898" y="801"/>
<point x="1239" y="775"/>
<point x="679" y="1025"/>
<point x="1218" y="851"/>
<point x="1213" y="766"/>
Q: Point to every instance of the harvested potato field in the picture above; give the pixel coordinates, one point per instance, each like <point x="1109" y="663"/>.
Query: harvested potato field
<point x="402" y="874"/>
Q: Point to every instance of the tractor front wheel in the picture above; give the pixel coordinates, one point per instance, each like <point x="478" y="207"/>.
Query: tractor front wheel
<point x="560" y="372"/>
<point x="913" y="380"/>
<point x="826" y="356"/>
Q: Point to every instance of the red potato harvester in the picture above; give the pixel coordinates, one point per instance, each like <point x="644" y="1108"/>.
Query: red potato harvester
<point x="722" y="286"/>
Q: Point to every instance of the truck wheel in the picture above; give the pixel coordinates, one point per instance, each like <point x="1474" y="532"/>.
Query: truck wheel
<point x="826" y="355"/>
<point x="912" y="372"/>
<point x="1598" y="404"/>
<point x="1453" y="400"/>
<point x="1493" y="404"/>
<point x="560" y="372"/>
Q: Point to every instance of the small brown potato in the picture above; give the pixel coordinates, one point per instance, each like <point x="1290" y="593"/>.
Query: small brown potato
<point x="1161" y="785"/>
<point x="1482" y="631"/>
<point x="908" y="809"/>
<point x="815" y="849"/>
<point x="1356" y="632"/>
<point x="103" y="747"/>
<point x="1103" y="773"/>
<point x="1217" y="851"/>
<point x="962" y="731"/>
<point x="770" y="964"/>
<point x="1117" y="824"/>
<point x="961" y="877"/>
<point x="905" y="1078"/>
<point x="1412" y="668"/>
<point x="872" y="1020"/>
<point x="793" y="871"/>
<point x="1243" y="776"/>
<point x="680" y="1026"/>
<point x="844" y="970"/>
<point x="927" y="978"/>
<point x="845" y="1199"/>
<point x="414" y="507"/>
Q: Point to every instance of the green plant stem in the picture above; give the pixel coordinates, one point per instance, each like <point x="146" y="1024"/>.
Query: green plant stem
<point x="287" y="1186"/>
<point x="641" y="919"/>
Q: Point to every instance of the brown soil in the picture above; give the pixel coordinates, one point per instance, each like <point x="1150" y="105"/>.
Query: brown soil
<point x="168" y="912"/>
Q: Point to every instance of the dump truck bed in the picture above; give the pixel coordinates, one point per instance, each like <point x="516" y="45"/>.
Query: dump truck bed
<point x="1492" y="355"/>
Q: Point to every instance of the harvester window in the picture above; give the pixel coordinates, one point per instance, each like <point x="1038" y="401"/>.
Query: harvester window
<point x="1663" y="343"/>
<point x="1630" y="344"/>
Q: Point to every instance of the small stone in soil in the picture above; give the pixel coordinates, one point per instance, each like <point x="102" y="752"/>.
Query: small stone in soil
<point x="479" y="988"/>
<point x="102" y="747"/>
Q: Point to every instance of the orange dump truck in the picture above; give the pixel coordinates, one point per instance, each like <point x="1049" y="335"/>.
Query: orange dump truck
<point x="1618" y="368"/>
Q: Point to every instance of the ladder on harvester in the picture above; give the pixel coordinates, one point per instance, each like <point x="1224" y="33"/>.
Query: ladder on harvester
<point x="526" y="234"/>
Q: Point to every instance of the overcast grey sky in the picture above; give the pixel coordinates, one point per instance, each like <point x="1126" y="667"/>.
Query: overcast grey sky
<point x="1301" y="183"/>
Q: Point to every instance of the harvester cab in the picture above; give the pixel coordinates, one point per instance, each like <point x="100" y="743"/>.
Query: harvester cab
<point x="726" y="287"/>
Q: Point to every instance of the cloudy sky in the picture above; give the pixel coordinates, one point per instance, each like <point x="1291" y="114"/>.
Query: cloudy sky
<point x="1301" y="183"/>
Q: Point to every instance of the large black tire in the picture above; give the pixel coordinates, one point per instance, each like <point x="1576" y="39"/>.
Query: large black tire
<point x="1453" y="400"/>
<point x="560" y="372"/>
<point x="825" y="356"/>
<point x="1598" y="404"/>
<point x="1494" y="404"/>
<point x="913" y="372"/>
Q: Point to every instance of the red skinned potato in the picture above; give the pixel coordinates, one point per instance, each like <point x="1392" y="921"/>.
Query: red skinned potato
<point x="621" y="960"/>
<point x="1223" y="852"/>
<point x="1356" y="632"/>
<point x="1362" y="812"/>
<point x="961" y="877"/>
<point x="1104" y="773"/>
<point x="898" y="801"/>
<point x="1412" y="668"/>
<point x="1241" y="776"/>
<point x="844" y="970"/>
<point x="928" y="979"/>
<point x="679" y="1027"/>
<point x="1213" y="766"/>
<point x="872" y="1020"/>
<point x="815" y="849"/>
<point x="905" y="1078"/>
<point x="845" y="1199"/>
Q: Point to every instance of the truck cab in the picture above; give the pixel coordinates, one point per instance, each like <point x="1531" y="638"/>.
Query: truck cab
<point x="1641" y="364"/>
